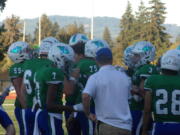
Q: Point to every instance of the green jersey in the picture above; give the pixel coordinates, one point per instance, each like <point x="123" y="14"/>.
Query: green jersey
<point x="165" y="97"/>
<point x="141" y="72"/>
<point x="30" y="67"/>
<point x="44" y="77"/>
<point x="87" y="67"/>
<point x="16" y="71"/>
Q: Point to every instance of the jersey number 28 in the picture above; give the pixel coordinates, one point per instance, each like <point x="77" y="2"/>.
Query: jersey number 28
<point x="174" y="99"/>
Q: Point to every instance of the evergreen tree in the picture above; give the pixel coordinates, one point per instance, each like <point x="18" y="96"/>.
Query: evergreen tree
<point x="2" y="4"/>
<point x="117" y="55"/>
<point x="65" y="33"/>
<point x="107" y="36"/>
<point x="126" y="36"/>
<point x="142" y="23"/>
<point x="55" y="29"/>
<point x="157" y="34"/>
<point x="29" y="39"/>
<point x="72" y="29"/>
<point x="1" y="30"/>
<point x="47" y="29"/>
<point x="81" y="28"/>
<point x="63" y="36"/>
<point x="12" y="33"/>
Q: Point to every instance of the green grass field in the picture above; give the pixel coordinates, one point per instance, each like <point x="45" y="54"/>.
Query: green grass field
<point x="9" y="107"/>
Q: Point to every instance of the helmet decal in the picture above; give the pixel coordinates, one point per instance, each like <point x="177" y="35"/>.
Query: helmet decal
<point x="17" y="49"/>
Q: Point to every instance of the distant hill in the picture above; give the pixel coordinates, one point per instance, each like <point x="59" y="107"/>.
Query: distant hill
<point x="99" y="24"/>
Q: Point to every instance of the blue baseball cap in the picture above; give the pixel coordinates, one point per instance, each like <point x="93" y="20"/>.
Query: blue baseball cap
<point x="104" y="54"/>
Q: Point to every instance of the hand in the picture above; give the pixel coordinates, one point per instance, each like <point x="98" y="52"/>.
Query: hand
<point x="78" y="107"/>
<point x="92" y="117"/>
<point x="135" y="90"/>
<point x="70" y="122"/>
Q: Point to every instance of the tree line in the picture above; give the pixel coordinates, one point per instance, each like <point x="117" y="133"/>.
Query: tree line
<point x="145" y="24"/>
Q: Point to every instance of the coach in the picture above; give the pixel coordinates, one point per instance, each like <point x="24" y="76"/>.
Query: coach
<point x="110" y="90"/>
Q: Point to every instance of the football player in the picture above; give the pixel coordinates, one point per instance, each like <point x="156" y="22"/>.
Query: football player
<point x="49" y="91"/>
<point x="70" y="100"/>
<point x="30" y="67"/>
<point x="18" y="52"/>
<point x="162" y="97"/>
<point x="127" y="59"/>
<point x="143" y="55"/>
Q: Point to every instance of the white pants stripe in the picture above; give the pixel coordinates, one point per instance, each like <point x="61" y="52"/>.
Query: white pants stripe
<point x="36" y="129"/>
<point x="53" y="128"/>
<point x="52" y="122"/>
<point x="139" y="126"/>
<point x="24" y="121"/>
<point x="153" y="130"/>
<point x="90" y="127"/>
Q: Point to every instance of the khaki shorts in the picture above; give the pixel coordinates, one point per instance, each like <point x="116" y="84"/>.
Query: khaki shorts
<point x="105" y="129"/>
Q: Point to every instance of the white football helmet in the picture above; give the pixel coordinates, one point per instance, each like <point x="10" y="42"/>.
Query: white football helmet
<point x="92" y="46"/>
<point x="77" y="38"/>
<point x="19" y="51"/>
<point x="178" y="47"/>
<point x="61" y="53"/>
<point x="146" y="52"/>
<point x="128" y="55"/>
<point x="45" y="45"/>
<point x="171" y="60"/>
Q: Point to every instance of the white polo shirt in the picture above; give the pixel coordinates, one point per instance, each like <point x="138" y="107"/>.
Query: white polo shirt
<point x="110" y="90"/>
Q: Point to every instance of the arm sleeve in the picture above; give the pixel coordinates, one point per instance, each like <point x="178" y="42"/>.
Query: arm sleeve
<point x="145" y="72"/>
<point x="54" y="77"/>
<point x="90" y="87"/>
<point x="15" y="72"/>
<point x="148" y="84"/>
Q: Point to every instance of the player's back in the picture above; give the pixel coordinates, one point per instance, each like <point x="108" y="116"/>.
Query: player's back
<point x="44" y="77"/>
<point x="30" y="67"/>
<point x="87" y="67"/>
<point x="165" y="97"/>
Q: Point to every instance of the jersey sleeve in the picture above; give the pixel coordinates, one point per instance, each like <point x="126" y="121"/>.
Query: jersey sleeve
<point x="147" y="71"/>
<point x="148" y="84"/>
<point x="54" y="76"/>
<point x="16" y="71"/>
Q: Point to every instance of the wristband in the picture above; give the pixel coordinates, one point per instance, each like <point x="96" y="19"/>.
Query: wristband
<point x="78" y="107"/>
<point x="73" y="79"/>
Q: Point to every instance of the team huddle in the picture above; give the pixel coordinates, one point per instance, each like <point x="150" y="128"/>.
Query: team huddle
<point x="64" y="69"/>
